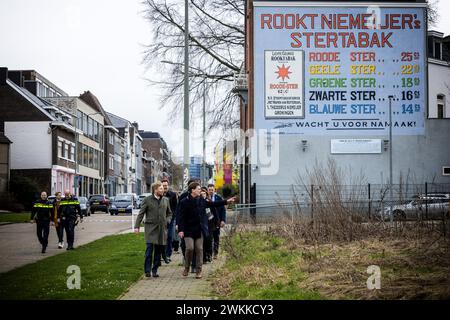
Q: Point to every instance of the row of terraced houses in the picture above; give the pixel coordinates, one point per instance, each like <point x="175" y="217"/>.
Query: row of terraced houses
<point x="71" y="142"/>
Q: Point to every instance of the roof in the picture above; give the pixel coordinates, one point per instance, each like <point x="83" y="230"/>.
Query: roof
<point x="37" y="102"/>
<point x="4" y="139"/>
<point x="36" y="75"/>
<point x="149" y="134"/>
<point x="117" y="121"/>
<point x="89" y="98"/>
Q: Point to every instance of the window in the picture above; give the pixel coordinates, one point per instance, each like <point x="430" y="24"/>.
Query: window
<point x="60" y="148"/>
<point x="437" y="50"/>
<point x="72" y="152"/>
<point x="111" y="162"/>
<point x="66" y="150"/>
<point x="41" y="89"/>
<point x="95" y="133"/>
<point x="79" y="120"/>
<point x="91" y="123"/>
<point x="85" y="155"/>
<point x="111" y="138"/>
<point x="80" y="154"/>
<point x="440" y="111"/>
<point x="101" y="163"/>
<point x="95" y="159"/>
<point x="446" y="171"/>
<point x="440" y="106"/>
<point x="90" y="157"/>
<point x="85" y="123"/>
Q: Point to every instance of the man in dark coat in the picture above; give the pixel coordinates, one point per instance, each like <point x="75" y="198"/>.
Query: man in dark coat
<point x="42" y="214"/>
<point x="173" y="201"/>
<point x="220" y="219"/>
<point x="182" y="243"/>
<point x="156" y="209"/>
<point x="191" y="226"/>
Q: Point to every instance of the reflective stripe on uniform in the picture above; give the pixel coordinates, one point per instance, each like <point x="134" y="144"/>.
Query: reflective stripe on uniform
<point x="65" y="203"/>
<point x="41" y="205"/>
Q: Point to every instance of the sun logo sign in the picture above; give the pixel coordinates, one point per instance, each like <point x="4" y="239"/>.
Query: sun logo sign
<point x="283" y="72"/>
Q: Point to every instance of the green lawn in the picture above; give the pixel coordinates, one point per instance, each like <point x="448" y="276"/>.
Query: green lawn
<point x="260" y="267"/>
<point x="15" y="217"/>
<point x="108" y="267"/>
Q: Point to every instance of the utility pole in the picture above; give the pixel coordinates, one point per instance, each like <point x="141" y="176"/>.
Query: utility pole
<point x="204" y="134"/>
<point x="75" y="180"/>
<point x="186" y="95"/>
<point x="391" y="197"/>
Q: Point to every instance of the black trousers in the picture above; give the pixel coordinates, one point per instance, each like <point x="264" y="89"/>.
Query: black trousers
<point x="208" y="246"/>
<point x="216" y="237"/>
<point x="60" y="232"/>
<point x="43" y="229"/>
<point x="175" y="245"/>
<point x="69" y="227"/>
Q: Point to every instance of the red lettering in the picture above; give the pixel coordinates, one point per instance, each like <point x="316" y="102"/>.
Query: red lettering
<point x="266" y="19"/>
<point x="394" y="21"/>
<point x="385" y="39"/>
<point x="296" y="37"/>
<point x="332" y="38"/>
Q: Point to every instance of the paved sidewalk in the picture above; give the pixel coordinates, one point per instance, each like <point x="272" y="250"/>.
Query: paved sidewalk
<point x="171" y="285"/>
<point x="19" y="244"/>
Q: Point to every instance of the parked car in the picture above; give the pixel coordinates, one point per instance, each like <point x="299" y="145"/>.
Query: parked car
<point x="84" y="204"/>
<point x="123" y="203"/>
<point x="99" y="202"/>
<point x="141" y="198"/>
<point x="438" y="206"/>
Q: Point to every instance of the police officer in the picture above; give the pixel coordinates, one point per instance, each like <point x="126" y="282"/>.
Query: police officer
<point x="41" y="213"/>
<point x="69" y="211"/>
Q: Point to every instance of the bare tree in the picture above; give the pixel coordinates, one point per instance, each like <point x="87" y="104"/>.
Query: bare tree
<point x="432" y="12"/>
<point x="216" y="40"/>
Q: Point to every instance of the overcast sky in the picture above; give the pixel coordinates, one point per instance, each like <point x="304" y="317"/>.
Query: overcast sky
<point x="96" y="45"/>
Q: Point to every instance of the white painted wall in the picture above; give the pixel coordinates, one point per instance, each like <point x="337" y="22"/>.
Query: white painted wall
<point x="32" y="144"/>
<point x="438" y="83"/>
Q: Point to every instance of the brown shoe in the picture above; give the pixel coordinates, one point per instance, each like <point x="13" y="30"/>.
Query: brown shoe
<point x="198" y="275"/>
<point x="185" y="272"/>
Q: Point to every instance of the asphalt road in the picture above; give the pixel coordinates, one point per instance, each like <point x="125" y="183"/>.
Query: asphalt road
<point x="19" y="244"/>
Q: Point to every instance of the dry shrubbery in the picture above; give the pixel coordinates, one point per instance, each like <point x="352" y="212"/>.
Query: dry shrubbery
<point x="333" y="246"/>
<point x="337" y="213"/>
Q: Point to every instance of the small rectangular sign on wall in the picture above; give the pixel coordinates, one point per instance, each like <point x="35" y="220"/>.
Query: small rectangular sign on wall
<point x="352" y="146"/>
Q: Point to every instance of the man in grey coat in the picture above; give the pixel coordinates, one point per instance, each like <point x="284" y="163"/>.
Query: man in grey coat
<point x="156" y="209"/>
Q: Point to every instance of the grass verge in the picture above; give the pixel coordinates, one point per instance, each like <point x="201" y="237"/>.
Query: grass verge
<point x="14" y="217"/>
<point x="261" y="267"/>
<point x="265" y="266"/>
<point x="109" y="266"/>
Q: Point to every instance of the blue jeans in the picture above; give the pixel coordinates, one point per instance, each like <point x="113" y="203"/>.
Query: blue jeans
<point x="170" y="231"/>
<point x="152" y="257"/>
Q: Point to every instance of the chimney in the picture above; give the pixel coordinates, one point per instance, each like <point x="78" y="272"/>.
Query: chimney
<point x="16" y="77"/>
<point x="136" y="125"/>
<point x="3" y="76"/>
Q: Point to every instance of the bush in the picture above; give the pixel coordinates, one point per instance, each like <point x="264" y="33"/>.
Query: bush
<point x="228" y="190"/>
<point x="24" y="190"/>
<point x="9" y="202"/>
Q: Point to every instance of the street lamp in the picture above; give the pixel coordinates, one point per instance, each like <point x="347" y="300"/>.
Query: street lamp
<point x="390" y="158"/>
<point x="186" y="95"/>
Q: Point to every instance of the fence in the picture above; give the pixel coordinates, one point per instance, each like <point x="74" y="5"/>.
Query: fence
<point x="426" y="200"/>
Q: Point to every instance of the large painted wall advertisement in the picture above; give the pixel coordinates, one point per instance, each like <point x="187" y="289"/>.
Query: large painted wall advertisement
<point x="330" y="69"/>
